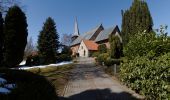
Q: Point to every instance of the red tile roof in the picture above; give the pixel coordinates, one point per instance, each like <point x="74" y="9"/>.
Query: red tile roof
<point x="91" y="45"/>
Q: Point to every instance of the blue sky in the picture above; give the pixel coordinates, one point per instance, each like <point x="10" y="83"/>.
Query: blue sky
<point x="89" y="13"/>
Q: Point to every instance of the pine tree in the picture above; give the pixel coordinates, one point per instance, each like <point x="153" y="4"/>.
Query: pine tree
<point x="115" y="46"/>
<point x="1" y="38"/>
<point x="136" y="19"/>
<point x="48" y="42"/>
<point x="125" y="26"/>
<point x="15" y="36"/>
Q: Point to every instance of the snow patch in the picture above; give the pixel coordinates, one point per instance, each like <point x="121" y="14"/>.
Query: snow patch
<point x="10" y="86"/>
<point x="4" y="90"/>
<point x="22" y="63"/>
<point x="44" y="66"/>
<point x="2" y="81"/>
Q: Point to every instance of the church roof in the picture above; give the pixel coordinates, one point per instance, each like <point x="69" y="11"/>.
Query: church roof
<point x="85" y="36"/>
<point x="91" y="45"/>
<point x="103" y="35"/>
<point x="77" y="41"/>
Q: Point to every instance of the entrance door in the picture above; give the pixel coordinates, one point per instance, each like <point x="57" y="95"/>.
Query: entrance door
<point x="84" y="53"/>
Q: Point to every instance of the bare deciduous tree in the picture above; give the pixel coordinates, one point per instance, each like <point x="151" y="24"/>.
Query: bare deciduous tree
<point x="29" y="48"/>
<point x="6" y="4"/>
<point x="66" y="39"/>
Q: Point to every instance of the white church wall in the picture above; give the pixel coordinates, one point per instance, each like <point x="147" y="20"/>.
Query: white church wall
<point x="83" y="51"/>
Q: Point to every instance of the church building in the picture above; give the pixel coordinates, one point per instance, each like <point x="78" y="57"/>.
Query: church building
<point x="84" y="45"/>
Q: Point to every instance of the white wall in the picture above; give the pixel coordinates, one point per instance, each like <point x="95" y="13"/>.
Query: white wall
<point x="81" y="50"/>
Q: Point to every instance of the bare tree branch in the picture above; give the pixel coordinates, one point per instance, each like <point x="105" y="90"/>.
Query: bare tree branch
<point x="66" y="39"/>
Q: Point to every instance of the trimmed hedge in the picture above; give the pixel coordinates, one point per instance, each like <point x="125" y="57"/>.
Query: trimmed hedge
<point x="64" y="57"/>
<point x="149" y="77"/>
<point x="111" y="62"/>
<point x="106" y="60"/>
<point x="95" y="54"/>
<point x="101" y="59"/>
<point x="29" y="86"/>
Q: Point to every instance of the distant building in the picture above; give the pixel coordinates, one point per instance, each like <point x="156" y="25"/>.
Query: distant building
<point x="85" y="44"/>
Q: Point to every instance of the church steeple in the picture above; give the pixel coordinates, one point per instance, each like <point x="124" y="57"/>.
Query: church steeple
<point x="76" y="30"/>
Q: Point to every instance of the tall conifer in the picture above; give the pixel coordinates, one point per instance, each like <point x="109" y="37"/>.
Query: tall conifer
<point x="1" y="38"/>
<point x="136" y="19"/>
<point x="48" y="42"/>
<point x="15" y="36"/>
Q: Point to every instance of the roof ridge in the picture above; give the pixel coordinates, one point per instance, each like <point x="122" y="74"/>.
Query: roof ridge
<point x="95" y="28"/>
<point x="104" y="34"/>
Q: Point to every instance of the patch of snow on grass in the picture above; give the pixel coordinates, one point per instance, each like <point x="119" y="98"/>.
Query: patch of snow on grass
<point x="4" y="90"/>
<point x="10" y="86"/>
<point x="59" y="64"/>
<point x="2" y="81"/>
<point x="22" y="63"/>
<point x="44" y="66"/>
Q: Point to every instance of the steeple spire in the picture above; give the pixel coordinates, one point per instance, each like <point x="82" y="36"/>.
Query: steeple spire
<point x="76" y="29"/>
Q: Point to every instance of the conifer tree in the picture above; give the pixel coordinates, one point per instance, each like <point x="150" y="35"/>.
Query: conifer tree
<point x="48" y="42"/>
<point x="1" y="38"/>
<point x="115" y="46"/>
<point x="15" y="36"/>
<point x="136" y="19"/>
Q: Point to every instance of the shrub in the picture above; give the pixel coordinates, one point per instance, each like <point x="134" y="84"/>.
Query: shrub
<point x="102" y="58"/>
<point x="143" y="43"/>
<point x="33" y="60"/>
<point x="111" y="62"/>
<point x="66" y="50"/>
<point x="102" y="48"/>
<point x="95" y="54"/>
<point x="64" y="57"/>
<point x="108" y="62"/>
<point x="29" y="86"/>
<point x="150" y="77"/>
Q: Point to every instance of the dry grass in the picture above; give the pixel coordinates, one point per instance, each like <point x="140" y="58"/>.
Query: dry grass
<point x="58" y="76"/>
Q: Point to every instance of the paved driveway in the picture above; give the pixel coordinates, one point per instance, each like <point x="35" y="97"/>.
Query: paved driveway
<point x="89" y="82"/>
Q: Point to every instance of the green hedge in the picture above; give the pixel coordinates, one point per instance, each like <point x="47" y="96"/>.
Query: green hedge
<point x="149" y="77"/>
<point x="36" y="60"/>
<point x="106" y="60"/>
<point x="64" y="57"/>
<point x="102" y="48"/>
<point x="111" y="62"/>
<point x="29" y="86"/>
<point x="95" y="54"/>
<point x="102" y="58"/>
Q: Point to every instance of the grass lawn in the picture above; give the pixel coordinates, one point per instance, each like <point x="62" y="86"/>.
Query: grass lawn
<point x="58" y="76"/>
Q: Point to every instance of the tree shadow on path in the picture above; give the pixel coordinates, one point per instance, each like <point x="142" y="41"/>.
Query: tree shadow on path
<point x="101" y="94"/>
